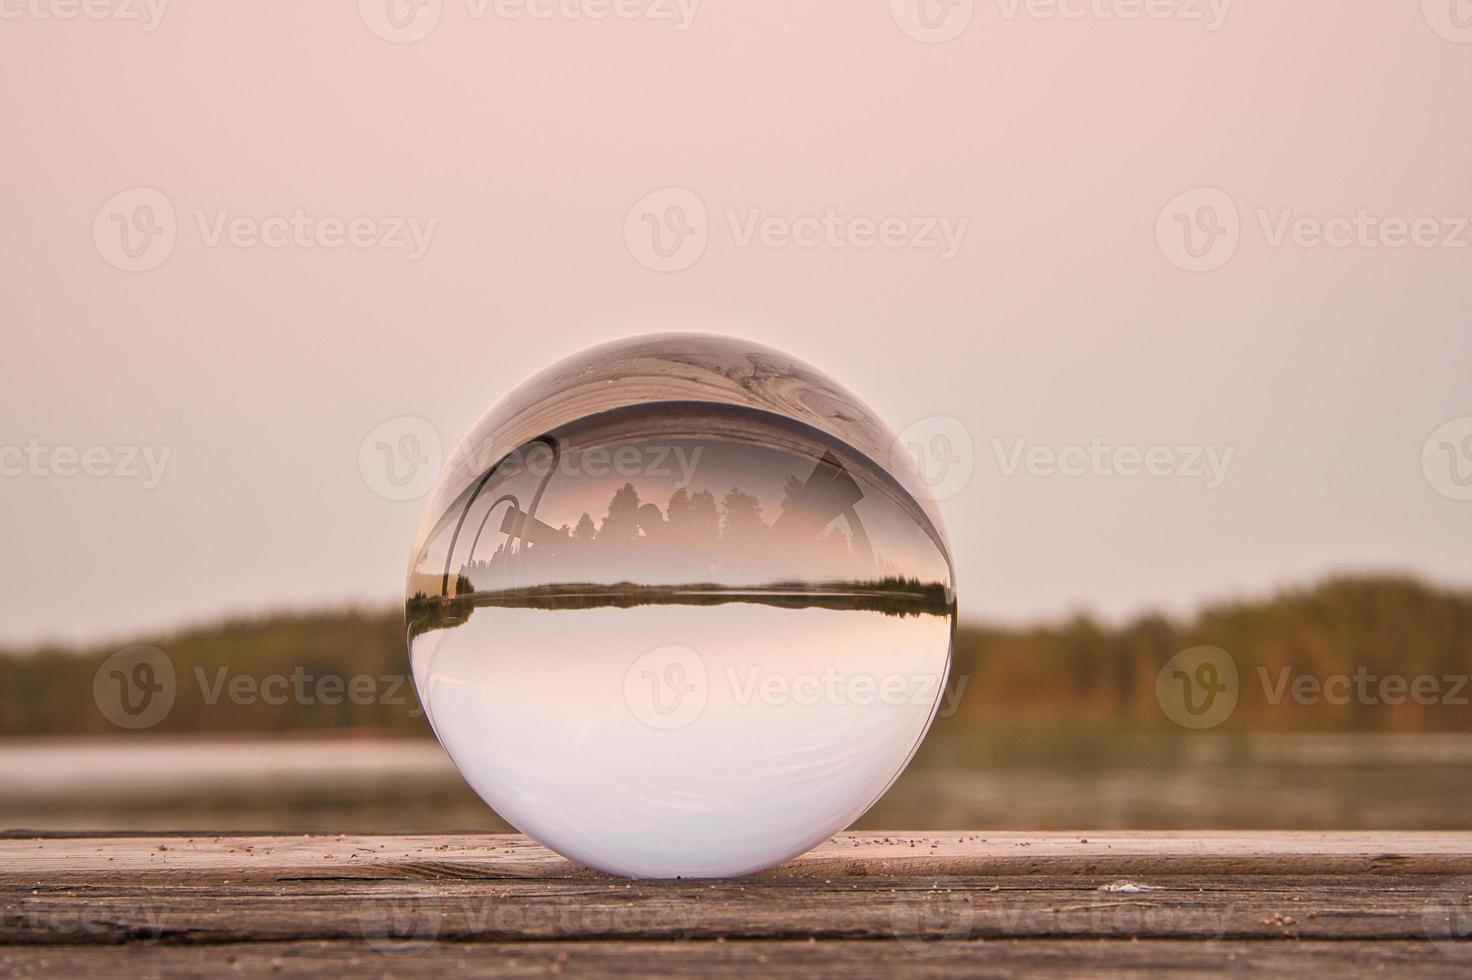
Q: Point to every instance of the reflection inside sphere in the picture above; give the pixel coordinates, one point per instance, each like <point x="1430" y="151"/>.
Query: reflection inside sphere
<point x="679" y="636"/>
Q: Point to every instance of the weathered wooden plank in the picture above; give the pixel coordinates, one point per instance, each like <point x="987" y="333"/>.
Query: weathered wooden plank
<point x="413" y="911"/>
<point x="895" y="904"/>
<point x="834" y="958"/>
<point x="851" y="854"/>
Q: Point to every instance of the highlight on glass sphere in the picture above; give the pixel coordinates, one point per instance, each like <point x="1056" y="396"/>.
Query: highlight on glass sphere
<point x="677" y="607"/>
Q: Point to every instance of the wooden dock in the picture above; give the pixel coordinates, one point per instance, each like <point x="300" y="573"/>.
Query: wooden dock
<point x="932" y="904"/>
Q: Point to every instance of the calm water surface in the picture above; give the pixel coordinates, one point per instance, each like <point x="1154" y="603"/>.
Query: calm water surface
<point x="1039" y="782"/>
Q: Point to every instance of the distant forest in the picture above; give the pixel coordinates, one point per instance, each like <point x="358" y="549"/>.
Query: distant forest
<point x="1079" y="674"/>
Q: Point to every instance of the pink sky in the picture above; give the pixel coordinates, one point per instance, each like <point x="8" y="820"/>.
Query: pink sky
<point x="1059" y="320"/>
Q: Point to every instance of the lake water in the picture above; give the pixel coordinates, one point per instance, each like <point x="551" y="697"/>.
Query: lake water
<point x="1019" y="781"/>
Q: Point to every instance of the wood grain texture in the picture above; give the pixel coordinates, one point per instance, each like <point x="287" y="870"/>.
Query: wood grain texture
<point x="837" y="959"/>
<point x="894" y="854"/>
<point x="862" y="904"/>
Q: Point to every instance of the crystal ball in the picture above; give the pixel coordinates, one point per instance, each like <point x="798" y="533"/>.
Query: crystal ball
<point x="679" y="606"/>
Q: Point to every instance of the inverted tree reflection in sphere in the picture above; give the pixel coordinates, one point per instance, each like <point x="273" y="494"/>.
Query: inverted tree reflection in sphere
<point x="678" y="607"/>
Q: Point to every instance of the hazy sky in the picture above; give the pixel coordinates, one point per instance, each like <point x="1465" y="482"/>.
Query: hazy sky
<point x="160" y="292"/>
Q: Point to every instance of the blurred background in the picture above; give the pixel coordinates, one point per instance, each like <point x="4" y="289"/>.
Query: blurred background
<point x="1172" y="301"/>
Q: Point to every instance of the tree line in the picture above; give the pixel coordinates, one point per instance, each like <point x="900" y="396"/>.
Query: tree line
<point x="1081" y="673"/>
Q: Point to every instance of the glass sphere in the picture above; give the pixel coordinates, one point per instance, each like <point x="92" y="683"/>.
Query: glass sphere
<point x="679" y="607"/>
